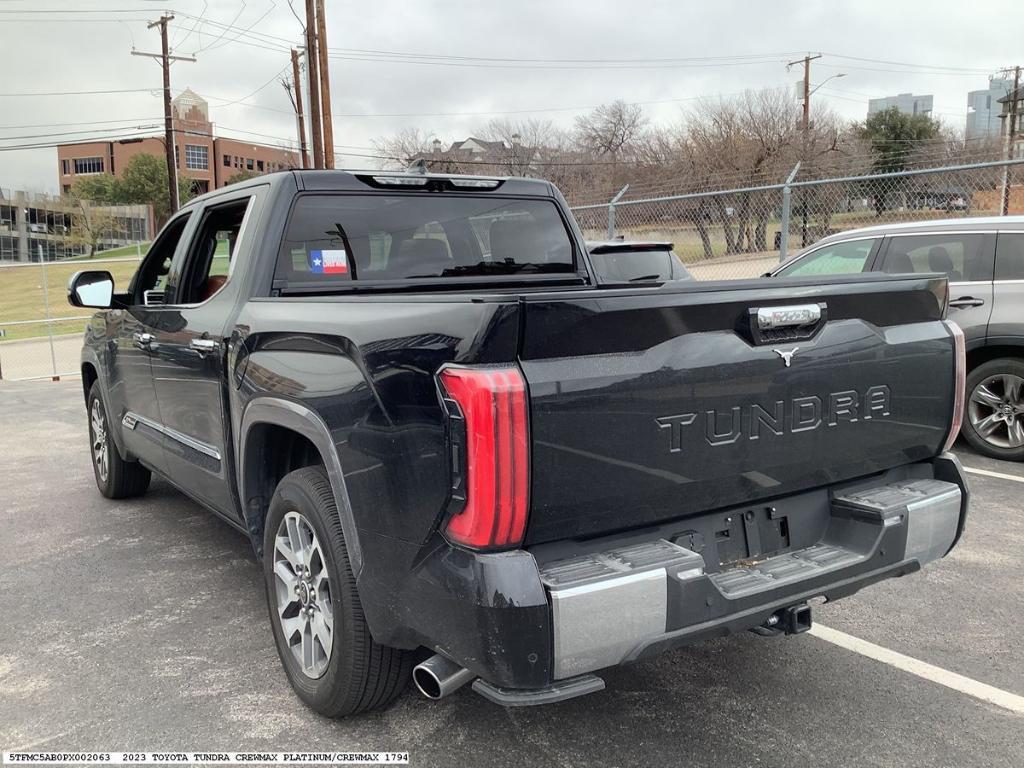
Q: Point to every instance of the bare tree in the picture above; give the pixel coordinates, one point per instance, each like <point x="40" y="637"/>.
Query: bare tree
<point x="611" y="129"/>
<point x="524" y="142"/>
<point x="407" y="145"/>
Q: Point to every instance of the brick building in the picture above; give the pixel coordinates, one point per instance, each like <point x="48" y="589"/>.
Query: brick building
<point x="208" y="160"/>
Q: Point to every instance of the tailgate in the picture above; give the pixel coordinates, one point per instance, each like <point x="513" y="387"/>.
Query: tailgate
<point x="650" y="406"/>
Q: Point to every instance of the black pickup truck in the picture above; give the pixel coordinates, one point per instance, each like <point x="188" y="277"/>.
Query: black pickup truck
<point x="450" y="443"/>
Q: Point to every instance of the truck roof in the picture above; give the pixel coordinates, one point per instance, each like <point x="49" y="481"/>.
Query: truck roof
<point x="361" y="181"/>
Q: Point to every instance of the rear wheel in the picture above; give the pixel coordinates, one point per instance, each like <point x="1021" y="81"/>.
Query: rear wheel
<point x="994" y="417"/>
<point x="322" y="636"/>
<point x="115" y="477"/>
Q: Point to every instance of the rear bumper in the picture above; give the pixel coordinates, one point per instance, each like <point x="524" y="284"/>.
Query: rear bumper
<point x="527" y="621"/>
<point x="622" y="604"/>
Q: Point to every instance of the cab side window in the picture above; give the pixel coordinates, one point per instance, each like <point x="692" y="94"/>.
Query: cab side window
<point x="1010" y="256"/>
<point x="150" y="280"/>
<point x="844" y="258"/>
<point x="211" y="256"/>
<point x="962" y="258"/>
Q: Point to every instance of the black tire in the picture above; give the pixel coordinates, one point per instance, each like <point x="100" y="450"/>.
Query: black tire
<point x="115" y="477"/>
<point x="990" y="374"/>
<point x="360" y="673"/>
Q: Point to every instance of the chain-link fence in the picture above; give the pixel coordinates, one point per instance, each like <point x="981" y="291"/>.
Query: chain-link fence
<point x="40" y="333"/>
<point x="720" y="235"/>
<point x="740" y="233"/>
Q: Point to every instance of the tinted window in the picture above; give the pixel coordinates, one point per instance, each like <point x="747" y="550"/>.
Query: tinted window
<point x="843" y="258"/>
<point x="212" y="250"/>
<point x="641" y="265"/>
<point x="960" y="257"/>
<point x="152" y="275"/>
<point x="340" y="238"/>
<point x="1010" y="256"/>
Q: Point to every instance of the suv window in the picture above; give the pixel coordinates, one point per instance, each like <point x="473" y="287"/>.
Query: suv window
<point x="641" y="264"/>
<point x="150" y="281"/>
<point x="211" y="255"/>
<point x="335" y="239"/>
<point x="959" y="257"/>
<point x="1010" y="256"/>
<point x="843" y="258"/>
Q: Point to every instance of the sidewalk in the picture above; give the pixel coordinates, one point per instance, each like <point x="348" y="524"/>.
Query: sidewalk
<point x="31" y="358"/>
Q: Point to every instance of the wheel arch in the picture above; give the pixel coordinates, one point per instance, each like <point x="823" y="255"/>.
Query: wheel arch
<point x="277" y="436"/>
<point x="89" y="377"/>
<point x="976" y="357"/>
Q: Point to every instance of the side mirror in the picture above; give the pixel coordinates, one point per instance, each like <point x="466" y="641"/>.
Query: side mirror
<point x="92" y="288"/>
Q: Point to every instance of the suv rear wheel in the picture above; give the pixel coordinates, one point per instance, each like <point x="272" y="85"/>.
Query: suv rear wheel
<point x="994" y="417"/>
<point x="322" y="636"/>
<point x="115" y="477"/>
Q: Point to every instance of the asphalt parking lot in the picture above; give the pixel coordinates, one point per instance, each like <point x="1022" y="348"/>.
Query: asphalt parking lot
<point x="141" y="625"/>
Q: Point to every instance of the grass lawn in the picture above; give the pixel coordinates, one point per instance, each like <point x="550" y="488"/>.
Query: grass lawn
<point x="127" y="251"/>
<point x="21" y="291"/>
<point x="21" y="295"/>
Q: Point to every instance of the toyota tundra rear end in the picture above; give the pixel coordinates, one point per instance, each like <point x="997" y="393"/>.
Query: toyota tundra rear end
<point x="660" y="466"/>
<point x="540" y="474"/>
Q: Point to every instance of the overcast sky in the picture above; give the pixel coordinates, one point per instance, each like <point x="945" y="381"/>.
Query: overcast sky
<point x="70" y="50"/>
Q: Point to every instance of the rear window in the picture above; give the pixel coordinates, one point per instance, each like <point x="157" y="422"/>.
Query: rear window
<point x="641" y="265"/>
<point x="337" y="239"/>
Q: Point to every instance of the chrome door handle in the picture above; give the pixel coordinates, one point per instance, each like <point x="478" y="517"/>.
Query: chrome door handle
<point x="966" y="301"/>
<point x="203" y="346"/>
<point x="142" y="340"/>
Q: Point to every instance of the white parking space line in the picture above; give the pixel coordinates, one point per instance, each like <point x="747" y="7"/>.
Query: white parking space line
<point x="922" y="669"/>
<point x="990" y="473"/>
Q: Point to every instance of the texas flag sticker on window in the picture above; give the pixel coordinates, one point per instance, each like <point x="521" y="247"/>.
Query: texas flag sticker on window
<point x="333" y="262"/>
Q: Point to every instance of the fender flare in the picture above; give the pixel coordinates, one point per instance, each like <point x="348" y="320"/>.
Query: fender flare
<point x="305" y="421"/>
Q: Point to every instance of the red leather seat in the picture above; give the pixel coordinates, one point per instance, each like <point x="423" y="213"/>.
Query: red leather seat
<point x="213" y="284"/>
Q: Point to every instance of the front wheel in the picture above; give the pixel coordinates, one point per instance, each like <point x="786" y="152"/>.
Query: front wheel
<point x="115" y="477"/>
<point x="994" y="417"/>
<point x="322" y="636"/>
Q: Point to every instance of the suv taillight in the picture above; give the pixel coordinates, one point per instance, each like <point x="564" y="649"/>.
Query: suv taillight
<point x="959" y="383"/>
<point x="492" y="463"/>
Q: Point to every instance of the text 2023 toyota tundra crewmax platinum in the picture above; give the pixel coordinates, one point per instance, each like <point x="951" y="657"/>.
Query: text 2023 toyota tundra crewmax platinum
<point x="443" y="435"/>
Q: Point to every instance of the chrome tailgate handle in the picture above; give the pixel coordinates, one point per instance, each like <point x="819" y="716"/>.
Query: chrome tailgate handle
<point x="769" y="318"/>
<point x="790" y="322"/>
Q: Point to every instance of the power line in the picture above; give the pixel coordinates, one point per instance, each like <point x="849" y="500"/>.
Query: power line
<point x="77" y="93"/>
<point x="74" y="133"/>
<point x="83" y="122"/>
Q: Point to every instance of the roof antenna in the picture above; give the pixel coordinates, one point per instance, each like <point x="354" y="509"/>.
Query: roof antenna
<point x="418" y="166"/>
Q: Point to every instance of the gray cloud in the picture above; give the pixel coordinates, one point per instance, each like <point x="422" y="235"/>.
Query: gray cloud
<point x="52" y="54"/>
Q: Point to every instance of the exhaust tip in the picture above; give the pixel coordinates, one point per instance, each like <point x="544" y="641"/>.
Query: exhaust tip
<point x="427" y="683"/>
<point x="438" y="676"/>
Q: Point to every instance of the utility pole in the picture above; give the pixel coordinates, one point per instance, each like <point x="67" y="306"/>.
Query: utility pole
<point x="299" y="117"/>
<point x="325" y="84"/>
<point x="165" y="59"/>
<point x="805" y="128"/>
<point x="314" y="85"/>
<point x="1011" y="130"/>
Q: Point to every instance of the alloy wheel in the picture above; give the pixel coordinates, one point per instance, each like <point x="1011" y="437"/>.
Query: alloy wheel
<point x="996" y="410"/>
<point x="302" y="589"/>
<point x="98" y="433"/>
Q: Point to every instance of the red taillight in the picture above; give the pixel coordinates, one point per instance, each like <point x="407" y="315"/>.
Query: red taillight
<point x="959" y="383"/>
<point x="496" y="467"/>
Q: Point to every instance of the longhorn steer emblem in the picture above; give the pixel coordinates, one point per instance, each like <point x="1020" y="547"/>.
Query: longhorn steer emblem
<point x="787" y="357"/>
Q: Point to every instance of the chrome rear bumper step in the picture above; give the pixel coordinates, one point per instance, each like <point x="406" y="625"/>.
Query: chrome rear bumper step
<point x="605" y="605"/>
